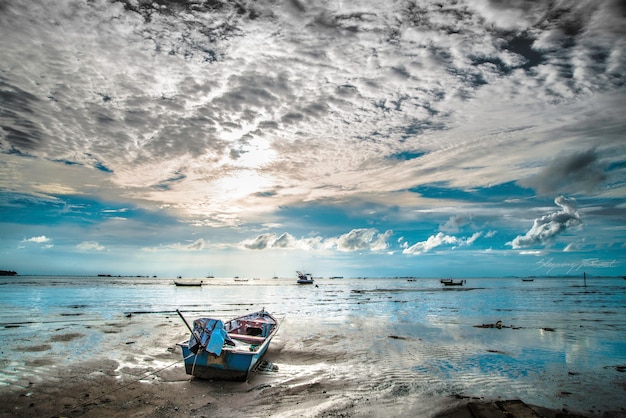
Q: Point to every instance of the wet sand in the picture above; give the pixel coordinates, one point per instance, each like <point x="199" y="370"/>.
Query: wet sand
<point x="131" y="367"/>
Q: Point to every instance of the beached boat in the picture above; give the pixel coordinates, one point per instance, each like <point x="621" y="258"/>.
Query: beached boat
<point x="450" y="282"/>
<point x="230" y="350"/>
<point x="188" y="283"/>
<point x="305" y="278"/>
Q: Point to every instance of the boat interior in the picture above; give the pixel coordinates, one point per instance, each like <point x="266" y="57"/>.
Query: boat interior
<point x="252" y="331"/>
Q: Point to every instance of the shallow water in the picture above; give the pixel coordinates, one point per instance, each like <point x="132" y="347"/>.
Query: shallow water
<point x="561" y="344"/>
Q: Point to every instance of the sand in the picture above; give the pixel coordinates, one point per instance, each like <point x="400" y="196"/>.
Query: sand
<point x="134" y="369"/>
<point x="97" y="390"/>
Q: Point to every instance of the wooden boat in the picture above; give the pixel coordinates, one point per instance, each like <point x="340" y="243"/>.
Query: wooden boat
<point x="187" y="283"/>
<point x="230" y="350"/>
<point x="450" y="282"/>
<point x="305" y="278"/>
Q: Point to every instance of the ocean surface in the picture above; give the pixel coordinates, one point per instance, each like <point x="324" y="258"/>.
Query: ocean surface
<point x="553" y="342"/>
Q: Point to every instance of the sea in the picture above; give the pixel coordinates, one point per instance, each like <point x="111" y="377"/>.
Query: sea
<point x="553" y="342"/>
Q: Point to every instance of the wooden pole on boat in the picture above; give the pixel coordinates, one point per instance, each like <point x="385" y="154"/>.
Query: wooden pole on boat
<point x="585" y="278"/>
<point x="184" y="320"/>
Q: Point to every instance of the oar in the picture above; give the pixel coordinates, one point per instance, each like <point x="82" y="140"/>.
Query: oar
<point x="184" y="320"/>
<point x="195" y="334"/>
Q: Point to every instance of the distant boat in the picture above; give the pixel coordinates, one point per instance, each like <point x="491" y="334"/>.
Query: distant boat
<point x="305" y="278"/>
<point x="528" y="280"/>
<point x="237" y="279"/>
<point x="336" y="277"/>
<point x="227" y="350"/>
<point x="188" y="283"/>
<point x="450" y="282"/>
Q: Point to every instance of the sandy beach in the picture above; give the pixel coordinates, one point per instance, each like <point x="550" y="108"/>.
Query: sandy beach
<point x="137" y="372"/>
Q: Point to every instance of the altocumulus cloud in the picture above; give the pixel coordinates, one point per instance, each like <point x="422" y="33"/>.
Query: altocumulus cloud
<point x="546" y="228"/>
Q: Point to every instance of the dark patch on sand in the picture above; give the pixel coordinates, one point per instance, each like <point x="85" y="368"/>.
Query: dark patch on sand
<point x="36" y="348"/>
<point x="40" y="362"/>
<point x="66" y="337"/>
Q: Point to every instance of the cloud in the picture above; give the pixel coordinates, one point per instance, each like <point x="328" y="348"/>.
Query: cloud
<point x="197" y="245"/>
<point x="363" y="239"/>
<point x="223" y="114"/>
<point x="455" y="223"/>
<point x="38" y="240"/>
<point x="433" y="241"/>
<point x="90" y="246"/>
<point x="359" y="239"/>
<point x="570" y="173"/>
<point x="42" y="240"/>
<point x="438" y="240"/>
<point x="261" y="242"/>
<point x="546" y="228"/>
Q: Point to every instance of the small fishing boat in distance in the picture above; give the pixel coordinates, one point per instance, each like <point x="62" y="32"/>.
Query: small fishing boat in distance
<point x="227" y="350"/>
<point x="188" y="283"/>
<point x="305" y="278"/>
<point x="450" y="282"/>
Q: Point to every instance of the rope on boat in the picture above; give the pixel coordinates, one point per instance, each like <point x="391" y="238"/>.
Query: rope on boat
<point x="121" y="387"/>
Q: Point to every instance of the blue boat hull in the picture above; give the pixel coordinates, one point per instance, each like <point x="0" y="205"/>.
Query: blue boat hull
<point x="229" y="365"/>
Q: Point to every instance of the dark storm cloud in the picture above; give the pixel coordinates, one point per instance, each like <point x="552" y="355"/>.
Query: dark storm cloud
<point x="570" y="173"/>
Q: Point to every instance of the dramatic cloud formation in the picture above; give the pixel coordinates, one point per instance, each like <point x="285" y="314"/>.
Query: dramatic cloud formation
<point x="220" y="130"/>
<point x="546" y="228"/>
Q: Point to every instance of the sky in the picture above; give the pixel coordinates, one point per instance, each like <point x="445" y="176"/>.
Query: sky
<point x="450" y="138"/>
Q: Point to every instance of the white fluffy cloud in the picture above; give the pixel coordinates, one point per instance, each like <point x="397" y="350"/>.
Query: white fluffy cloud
<point x="439" y="240"/>
<point x="42" y="239"/>
<point x="362" y="239"/>
<point x="546" y="228"/>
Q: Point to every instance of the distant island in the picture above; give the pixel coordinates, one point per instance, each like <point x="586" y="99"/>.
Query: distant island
<point x="8" y="273"/>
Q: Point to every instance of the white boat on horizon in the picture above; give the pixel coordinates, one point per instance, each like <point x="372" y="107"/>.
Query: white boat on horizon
<point x="305" y="278"/>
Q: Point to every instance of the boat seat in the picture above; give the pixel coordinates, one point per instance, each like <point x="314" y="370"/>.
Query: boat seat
<point x="250" y="339"/>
